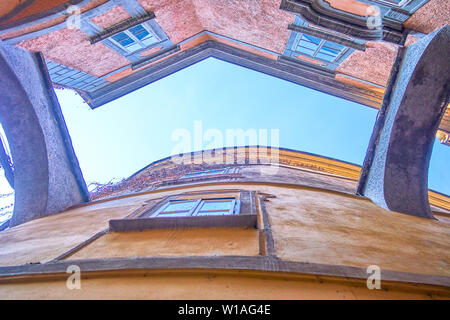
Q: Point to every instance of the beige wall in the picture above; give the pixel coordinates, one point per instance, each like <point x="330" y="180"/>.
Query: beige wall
<point x="171" y="242"/>
<point x="44" y="239"/>
<point x="308" y="225"/>
<point x="184" y="284"/>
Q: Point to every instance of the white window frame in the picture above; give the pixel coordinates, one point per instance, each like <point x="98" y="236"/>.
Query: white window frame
<point x="136" y="40"/>
<point x="319" y="47"/>
<point x="195" y="210"/>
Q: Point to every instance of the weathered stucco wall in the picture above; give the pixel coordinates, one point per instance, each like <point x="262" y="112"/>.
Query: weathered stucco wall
<point x="308" y="225"/>
<point x="95" y="59"/>
<point x="171" y="242"/>
<point x="187" y="284"/>
<point x="320" y="227"/>
<point x="373" y="65"/>
<point x="44" y="239"/>
<point x="433" y="15"/>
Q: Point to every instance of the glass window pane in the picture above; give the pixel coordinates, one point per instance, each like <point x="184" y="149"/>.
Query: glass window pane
<point x="325" y="57"/>
<point x="180" y="206"/>
<point x="139" y="32"/>
<point x="329" y="51"/>
<point x="123" y="39"/>
<point x="216" y="205"/>
<point x="120" y="36"/>
<point x="334" y="46"/>
<point x="304" y="50"/>
<point x="311" y="39"/>
<point x="214" y="213"/>
<point x="308" y="45"/>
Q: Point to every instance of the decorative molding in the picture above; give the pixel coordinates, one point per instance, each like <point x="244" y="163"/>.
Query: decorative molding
<point x="306" y="65"/>
<point x="328" y="36"/>
<point x="155" y="57"/>
<point x="320" y="13"/>
<point x="41" y="16"/>
<point x="308" y="77"/>
<point x="242" y="263"/>
<point x="397" y="14"/>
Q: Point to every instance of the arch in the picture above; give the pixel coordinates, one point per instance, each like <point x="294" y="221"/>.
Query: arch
<point x="395" y="172"/>
<point x="47" y="178"/>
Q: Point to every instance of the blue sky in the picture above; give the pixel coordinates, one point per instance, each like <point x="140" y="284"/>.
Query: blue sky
<point x="121" y="137"/>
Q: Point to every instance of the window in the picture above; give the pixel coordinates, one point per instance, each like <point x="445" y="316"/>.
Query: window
<point x="135" y="38"/>
<point x="224" y="209"/>
<point x="205" y="173"/>
<point x="199" y="207"/>
<point x="319" y="48"/>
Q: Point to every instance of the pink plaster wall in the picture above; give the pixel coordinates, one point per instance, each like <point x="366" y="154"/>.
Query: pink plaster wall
<point x="177" y="18"/>
<point x="372" y="65"/>
<point x="433" y="15"/>
<point x="258" y="22"/>
<point x="72" y="48"/>
<point x="111" y="17"/>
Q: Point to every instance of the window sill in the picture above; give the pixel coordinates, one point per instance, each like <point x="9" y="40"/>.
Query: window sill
<point x="140" y="224"/>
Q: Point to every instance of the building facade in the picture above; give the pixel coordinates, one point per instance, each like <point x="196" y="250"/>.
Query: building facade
<point x="246" y="228"/>
<point x="106" y="49"/>
<point x="237" y="223"/>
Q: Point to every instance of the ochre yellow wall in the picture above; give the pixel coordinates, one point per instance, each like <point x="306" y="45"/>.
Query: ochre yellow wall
<point x="322" y="227"/>
<point x="44" y="239"/>
<point x="171" y="242"/>
<point x="308" y="225"/>
<point x="188" y="284"/>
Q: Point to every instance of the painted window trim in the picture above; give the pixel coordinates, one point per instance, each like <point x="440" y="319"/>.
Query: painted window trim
<point x="136" y="40"/>
<point x="245" y="215"/>
<point x="134" y="56"/>
<point x="146" y="20"/>
<point x="295" y="37"/>
<point x="121" y="26"/>
<point x="195" y="210"/>
<point x="317" y="51"/>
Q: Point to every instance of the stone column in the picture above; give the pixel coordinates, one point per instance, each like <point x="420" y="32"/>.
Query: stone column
<point x="395" y="171"/>
<point x="47" y="177"/>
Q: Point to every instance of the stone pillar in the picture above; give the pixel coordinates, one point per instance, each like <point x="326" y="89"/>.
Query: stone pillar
<point x="47" y="177"/>
<point x="395" y="171"/>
